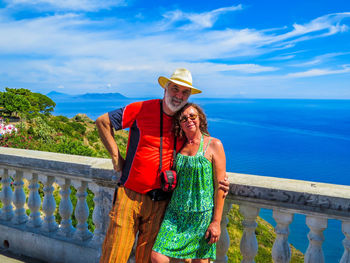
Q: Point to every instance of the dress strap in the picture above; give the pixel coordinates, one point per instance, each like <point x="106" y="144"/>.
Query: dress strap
<point x="207" y="145"/>
<point x="200" y="149"/>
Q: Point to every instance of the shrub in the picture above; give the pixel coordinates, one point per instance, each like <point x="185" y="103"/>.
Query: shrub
<point x="17" y="140"/>
<point x="61" y="127"/>
<point x="78" y="118"/>
<point x="41" y="130"/>
<point x="79" y="128"/>
<point x="60" y="118"/>
<point x="93" y="136"/>
<point x="75" y="147"/>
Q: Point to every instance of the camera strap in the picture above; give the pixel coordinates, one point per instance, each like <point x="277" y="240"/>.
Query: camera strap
<point x="161" y="142"/>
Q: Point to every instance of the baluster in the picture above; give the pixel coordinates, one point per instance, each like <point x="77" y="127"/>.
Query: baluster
<point x="49" y="205"/>
<point x="346" y="242"/>
<point x="249" y="243"/>
<point x="224" y="241"/>
<point x="65" y="208"/>
<point x="19" y="199"/>
<point x="82" y="213"/>
<point x="6" y="196"/>
<point x="97" y="215"/>
<point x="314" y="252"/>
<point x="34" y="202"/>
<point x="2" y="171"/>
<point x="281" y="250"/>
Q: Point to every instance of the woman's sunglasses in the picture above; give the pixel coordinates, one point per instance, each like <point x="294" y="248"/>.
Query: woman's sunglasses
<point x="192" y="117"/>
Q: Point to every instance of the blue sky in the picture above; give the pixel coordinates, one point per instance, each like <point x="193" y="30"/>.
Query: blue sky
<point x="253" y="49"/>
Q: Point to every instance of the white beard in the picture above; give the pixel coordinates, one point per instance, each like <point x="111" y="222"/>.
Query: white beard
<point x="171" y="106"/>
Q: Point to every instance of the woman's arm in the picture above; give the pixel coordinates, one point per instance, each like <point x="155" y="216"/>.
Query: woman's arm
<point x="219" y="171"/>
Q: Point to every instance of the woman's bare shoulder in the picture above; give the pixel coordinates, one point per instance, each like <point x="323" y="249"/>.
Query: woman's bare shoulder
<point x="215" y="145"/>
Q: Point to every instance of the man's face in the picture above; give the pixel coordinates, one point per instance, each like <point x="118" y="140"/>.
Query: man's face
<point x="176" y="96"/>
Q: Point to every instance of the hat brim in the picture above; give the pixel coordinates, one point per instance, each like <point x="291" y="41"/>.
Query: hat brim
<point x="163" y="81"/>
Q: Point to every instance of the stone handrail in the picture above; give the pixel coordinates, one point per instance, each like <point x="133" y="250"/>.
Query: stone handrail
<point x="64" y="243"/>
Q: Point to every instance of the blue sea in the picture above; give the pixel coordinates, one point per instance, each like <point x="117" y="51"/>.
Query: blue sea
<point x="297" y="139"/>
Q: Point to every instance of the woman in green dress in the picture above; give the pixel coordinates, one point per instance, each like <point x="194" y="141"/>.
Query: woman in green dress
<point x="191" y="226"/>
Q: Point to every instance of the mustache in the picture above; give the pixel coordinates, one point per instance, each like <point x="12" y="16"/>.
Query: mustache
<point x="177" y="100"/>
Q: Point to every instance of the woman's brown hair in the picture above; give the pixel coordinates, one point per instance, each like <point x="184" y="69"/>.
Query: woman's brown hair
<point x="203" y="124"/>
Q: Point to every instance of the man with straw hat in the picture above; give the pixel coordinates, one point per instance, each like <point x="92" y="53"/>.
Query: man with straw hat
<point x="137" y="206"/>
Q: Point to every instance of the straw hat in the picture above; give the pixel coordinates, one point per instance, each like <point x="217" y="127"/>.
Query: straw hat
<point x="181" y="77"/>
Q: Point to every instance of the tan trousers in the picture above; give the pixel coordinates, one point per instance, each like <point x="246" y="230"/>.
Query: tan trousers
<point x="132" y="212"/>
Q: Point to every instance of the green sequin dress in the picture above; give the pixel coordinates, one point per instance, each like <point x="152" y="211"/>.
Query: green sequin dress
<point x="190" y="210"/>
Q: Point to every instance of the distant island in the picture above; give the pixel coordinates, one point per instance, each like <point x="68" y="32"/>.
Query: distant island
<point x="95" y="96"/>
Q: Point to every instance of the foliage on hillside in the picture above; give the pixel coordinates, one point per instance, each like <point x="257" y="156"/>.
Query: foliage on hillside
<point x="265" y="235"/>
<point x="77" y="136"/>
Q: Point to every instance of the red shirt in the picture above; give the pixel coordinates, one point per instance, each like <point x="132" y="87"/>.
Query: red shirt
<point x="140" y="172"/>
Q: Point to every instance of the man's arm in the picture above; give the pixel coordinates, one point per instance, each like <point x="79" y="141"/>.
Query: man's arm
<point x="106" y="133"/>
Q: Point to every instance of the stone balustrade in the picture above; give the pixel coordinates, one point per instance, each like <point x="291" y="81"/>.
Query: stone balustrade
<point x="318" y="201"/>
<point x="22" y="172"/>
<point x="29" y="224"/>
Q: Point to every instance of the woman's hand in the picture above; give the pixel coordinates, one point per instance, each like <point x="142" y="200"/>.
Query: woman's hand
<point x="213" y="232"/>
<point x="224" y="185"/>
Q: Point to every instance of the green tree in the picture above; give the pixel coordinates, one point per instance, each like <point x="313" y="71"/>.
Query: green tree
<point x="41" y="103"/>
<point x="14" y="104"/>
<point x="23" y="92"/>
<point x="25" y="101"/>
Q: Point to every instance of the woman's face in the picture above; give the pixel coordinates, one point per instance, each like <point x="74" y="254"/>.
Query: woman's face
<point x="189" y="120"/>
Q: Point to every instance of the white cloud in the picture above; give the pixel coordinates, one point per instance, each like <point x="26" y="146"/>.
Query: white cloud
<point x="283" y="57"/>
<point x="321" y="59"/>
<point x="319" y="72"/>
<point x="207" y="19"/>
<point x="244" y="68"/>
<point x="197" y="21"/>
<point x="66" y="5"/>
<point x="320" y="27"/>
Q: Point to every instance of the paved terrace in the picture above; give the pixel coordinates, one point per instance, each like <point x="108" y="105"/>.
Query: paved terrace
<point x="7" y="256"/>
<point x="39" y="236"/>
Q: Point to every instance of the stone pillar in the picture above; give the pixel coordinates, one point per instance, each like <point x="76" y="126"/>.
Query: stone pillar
<point x="82" y="213"/>
<point x="19" y="199"/>
<point x="34" y="201"/>
<point x="281" y="250"/>
<point x="66" y="208"/>
<point x="346" y="242"/>
<point x="6" y="196"/>
<point x="249" y="243"/>
<point x="224" y="241"/>
<point x="49" y="205"/>
<point x="97" y="215"/>
<point x="314" y="252"/>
